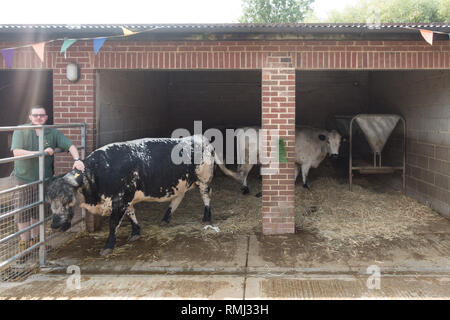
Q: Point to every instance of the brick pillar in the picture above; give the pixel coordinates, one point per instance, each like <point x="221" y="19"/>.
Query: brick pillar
<point x="75" y="103"/>
<point x="278" y="113"/>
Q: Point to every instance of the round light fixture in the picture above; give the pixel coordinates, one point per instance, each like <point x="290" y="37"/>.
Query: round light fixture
<point x="73" y="72"/>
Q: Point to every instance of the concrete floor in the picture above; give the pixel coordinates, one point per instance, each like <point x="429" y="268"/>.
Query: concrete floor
<point x="255" y="267"/>
<point x="183" y="262"/>
<point x="281" y="286"/>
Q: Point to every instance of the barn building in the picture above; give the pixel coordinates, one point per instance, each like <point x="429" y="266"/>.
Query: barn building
<point x="162" y="77"/>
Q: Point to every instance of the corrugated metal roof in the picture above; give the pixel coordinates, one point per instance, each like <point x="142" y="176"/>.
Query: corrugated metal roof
<point x="247" y="31"/>
<point x="275" y="27"/>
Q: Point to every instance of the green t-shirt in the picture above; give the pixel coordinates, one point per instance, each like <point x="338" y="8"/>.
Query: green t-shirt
<point x="28" y="169"/>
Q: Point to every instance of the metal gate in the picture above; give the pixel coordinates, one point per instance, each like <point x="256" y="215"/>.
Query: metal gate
<point x="18" y="257"/>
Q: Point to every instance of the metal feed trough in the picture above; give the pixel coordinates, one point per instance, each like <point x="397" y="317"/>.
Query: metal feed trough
<point x="376" y="128"/>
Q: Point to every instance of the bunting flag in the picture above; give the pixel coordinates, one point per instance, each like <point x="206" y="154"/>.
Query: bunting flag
<point x="8" y="55"/>
<point x="127" y="32"/>
<point x="66" y="44"/>
<point x="427" y="35"/>
<point x="98" y="43"/>
<point x="39" y="49"/>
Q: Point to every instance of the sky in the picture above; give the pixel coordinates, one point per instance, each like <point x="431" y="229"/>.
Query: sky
<point x="133" y="11"/>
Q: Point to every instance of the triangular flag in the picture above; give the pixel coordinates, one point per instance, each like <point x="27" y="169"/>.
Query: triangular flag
<point x="97" y="43"/>
<point x="427" y="35"/>
<point x="39" y="49"/>
<point x="8" y="55"/>
<point x="127" y="32"/>
<point x="66" y="44"/>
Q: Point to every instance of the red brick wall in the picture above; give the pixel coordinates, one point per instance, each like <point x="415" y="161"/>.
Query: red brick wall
<point x="380" y="55"/>
<point x="240" y="55"/>
<point x="76" y="102"/>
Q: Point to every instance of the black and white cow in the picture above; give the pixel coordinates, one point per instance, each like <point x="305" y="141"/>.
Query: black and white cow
<point x="312" y="145"/>
<point x="119" y="175"/>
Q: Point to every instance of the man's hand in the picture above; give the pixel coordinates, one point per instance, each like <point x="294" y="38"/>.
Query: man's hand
<point x="50" y="151"/>
<point x="78" y="165"/>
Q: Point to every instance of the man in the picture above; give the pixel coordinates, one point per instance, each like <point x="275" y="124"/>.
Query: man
<point x="26" y="142"/>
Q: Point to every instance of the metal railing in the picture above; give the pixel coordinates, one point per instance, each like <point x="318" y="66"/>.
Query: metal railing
<point x="6" y="260"/>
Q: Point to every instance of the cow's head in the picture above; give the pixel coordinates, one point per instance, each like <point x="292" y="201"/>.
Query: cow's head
<point x="61" y="195"/>
<point x="333" y="140"/>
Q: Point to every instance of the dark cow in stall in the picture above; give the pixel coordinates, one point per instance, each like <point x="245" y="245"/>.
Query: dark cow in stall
<point x="119" y="175"/>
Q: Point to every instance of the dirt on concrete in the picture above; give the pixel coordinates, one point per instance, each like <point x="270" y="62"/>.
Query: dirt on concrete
<point x="196" y="246"/>
<point x="49" y="287"/>
<point x="332" y="224"/>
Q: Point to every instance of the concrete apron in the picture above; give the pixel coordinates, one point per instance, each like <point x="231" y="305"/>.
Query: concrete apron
<point x="227" y="287"/>
<point x="250" y="267"/>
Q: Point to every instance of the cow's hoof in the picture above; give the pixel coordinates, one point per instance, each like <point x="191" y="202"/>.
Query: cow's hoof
<point x="206" y="221"/>
<point x="258" y="195"/>
<point x="245" y="190"/>
<point x="164" y="223"/>
<point x="134" y="237"/>
<point x="105" y="252"/>
<point x="306" y="186"/>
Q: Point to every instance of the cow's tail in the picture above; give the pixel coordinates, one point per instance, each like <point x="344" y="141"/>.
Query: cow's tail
<point x="225" y="170"/>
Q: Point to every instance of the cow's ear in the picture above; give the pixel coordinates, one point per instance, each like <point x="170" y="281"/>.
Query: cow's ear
<point x="322" y="137"/>
<point x="74" y="178"/>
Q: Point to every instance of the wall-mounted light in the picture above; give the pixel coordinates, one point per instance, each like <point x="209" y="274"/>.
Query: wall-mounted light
<point x="356" y="83"/>
<point x="73" y="72"/>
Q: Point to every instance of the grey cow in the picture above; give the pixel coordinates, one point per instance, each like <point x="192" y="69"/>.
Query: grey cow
<point x="312" y="145"/>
